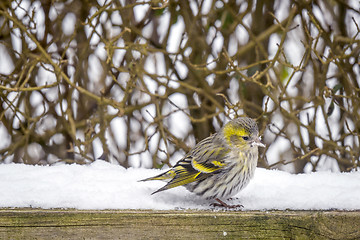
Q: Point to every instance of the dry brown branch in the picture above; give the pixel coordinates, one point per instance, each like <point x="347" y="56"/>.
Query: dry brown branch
<point x="138" y="82"/>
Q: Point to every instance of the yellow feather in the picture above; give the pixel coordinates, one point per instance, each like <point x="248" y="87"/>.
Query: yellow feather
<point x="164" y="176"/>
<point x="203" y="168"/>
<point x="230" y="131"/>
<point x="218" y="163"/>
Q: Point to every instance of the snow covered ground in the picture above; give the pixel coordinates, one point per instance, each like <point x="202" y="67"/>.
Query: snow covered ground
<point x="105" y="186"/>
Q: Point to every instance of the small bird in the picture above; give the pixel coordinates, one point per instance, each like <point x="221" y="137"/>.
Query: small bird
<point x="219" y="166"/>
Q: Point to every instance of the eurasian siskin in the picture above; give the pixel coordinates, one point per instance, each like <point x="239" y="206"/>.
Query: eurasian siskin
<point x="219" y="166"/>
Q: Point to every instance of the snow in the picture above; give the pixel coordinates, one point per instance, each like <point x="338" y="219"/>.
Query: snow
<point x="102" y="185"/>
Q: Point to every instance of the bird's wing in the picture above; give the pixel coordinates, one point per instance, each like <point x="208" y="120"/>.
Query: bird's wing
<point x="208" y="156"/>
<point x="197" y="165"/>
<point x="184" y="173"/>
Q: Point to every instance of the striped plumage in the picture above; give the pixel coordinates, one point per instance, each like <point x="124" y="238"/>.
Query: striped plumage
<point x="219" y="166"/>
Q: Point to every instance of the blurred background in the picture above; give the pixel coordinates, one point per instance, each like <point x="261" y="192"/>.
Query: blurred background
<point x="138" y="83"/>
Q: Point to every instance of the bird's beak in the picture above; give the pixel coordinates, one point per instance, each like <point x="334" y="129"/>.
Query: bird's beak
<point x="257" y="142"/>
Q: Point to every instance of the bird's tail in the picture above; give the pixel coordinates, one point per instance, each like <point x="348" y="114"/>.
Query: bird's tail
<point x="163" y="176"/>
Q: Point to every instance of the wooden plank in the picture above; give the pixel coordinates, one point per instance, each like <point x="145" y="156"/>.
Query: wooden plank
<point x="137" y="224"/>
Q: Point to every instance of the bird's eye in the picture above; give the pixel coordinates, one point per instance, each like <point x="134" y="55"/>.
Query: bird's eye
<point x="245" y="138"/>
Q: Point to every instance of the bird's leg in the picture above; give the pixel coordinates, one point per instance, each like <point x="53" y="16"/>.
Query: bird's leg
<point x="223" y="204"/>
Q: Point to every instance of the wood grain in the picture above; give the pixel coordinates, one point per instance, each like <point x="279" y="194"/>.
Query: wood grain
<point x="177" y="224"/>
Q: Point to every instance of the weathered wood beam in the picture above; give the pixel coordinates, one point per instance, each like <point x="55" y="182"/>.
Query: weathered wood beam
<point x="145" y="224"/>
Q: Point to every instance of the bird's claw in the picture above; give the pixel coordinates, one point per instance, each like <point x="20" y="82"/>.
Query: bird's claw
<point x="223" y="204"/>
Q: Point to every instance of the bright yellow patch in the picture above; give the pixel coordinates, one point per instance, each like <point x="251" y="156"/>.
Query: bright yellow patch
<point x="230" y="130"/>
<point x="197" y="175"/>
<point x="183" y="177"/>
<point x="172" y="173"/>
<point x="202" y="168"/>
<point x="219" y="164"/>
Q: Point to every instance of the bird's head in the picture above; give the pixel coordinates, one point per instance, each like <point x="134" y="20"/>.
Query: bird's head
<point x="242" y="133"/>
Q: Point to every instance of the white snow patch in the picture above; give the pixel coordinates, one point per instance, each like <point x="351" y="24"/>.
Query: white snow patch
<point x="102" y="185"/>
